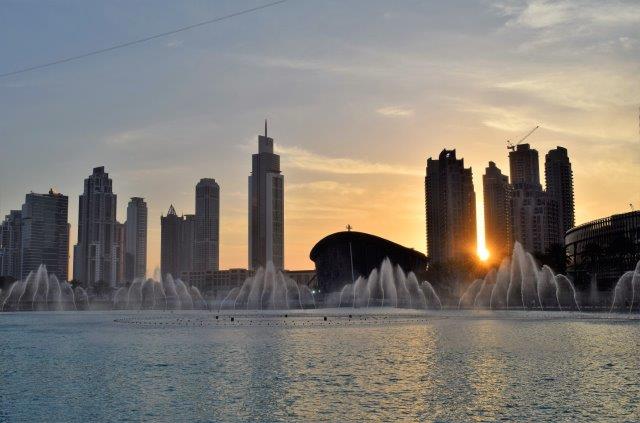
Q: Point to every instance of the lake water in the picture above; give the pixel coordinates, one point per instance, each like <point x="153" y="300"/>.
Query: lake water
<point x="446" y="366"/>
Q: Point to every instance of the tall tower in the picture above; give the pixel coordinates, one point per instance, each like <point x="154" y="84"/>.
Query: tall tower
<point x="136" y="239"/>
<point x="207" y="234"/>
<point x="177" y="241"/>
<point x="524" y="166"/>
<point x="94" y="256"/>
<point x="11" y="245"/>
<point x="45" y="234"/>
<point x="266" y="206"/>
<point x="497" y="212"/>
<point x="450" y="203"/>
<point x="534" y="212"/>
<point x="559" y="184"/>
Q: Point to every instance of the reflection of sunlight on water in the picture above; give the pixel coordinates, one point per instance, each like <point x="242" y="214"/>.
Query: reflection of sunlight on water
<point x="442" y="366"/>
<point x="487" y="372"/>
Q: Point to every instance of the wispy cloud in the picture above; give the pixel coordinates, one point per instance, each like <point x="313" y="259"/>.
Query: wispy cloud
<point x="174" y="43"/>
<point x="304" y="159"/>
<point x="326" y="187"/>
<point x="396" y="111"/>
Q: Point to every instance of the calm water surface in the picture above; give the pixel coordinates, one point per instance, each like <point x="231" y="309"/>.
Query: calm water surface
<point x="160" y="366"/>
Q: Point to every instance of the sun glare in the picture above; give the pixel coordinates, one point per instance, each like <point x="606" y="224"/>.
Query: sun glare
<point x="483" y="254"/>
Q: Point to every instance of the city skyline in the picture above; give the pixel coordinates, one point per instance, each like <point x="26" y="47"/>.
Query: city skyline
<point x="353" y="157"/>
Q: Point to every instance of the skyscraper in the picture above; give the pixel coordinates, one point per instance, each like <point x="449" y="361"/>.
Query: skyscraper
<point x="559" y="184"/>
<point x="11" y="245"/>
<point x="524" y="166"/>
<point x="45" y="234"/>
<point x="497" y="212"/>
<point x="177" y="243"/>
<point x="136" y="239"/>
<point x="207" y="232"/>
<point x="450" y="208"/>
<point x="94" y="258"/>
<point x="266" y="206"/>
<point x="119" y="245"/>
<point x="534" y="212"/>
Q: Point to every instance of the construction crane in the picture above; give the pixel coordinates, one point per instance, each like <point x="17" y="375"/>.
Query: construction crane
<point x="511" y="146"/>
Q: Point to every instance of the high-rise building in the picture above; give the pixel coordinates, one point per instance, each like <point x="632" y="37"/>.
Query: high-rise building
<point x="120" y="261"/>
<point x="177" y="243"/>
<point x="524" y="166"/>
<point x="450" y="203"/>
<point x="534" y="212"/>
<point x="45" y="234"/>
<point x="136" y="239"/>
<point x="94" y="256"/>
<point x="534" y="218"/>
<point x="10" y="245"/>
<point x="266" y="207"/>
<point x="497" y="212"/>
<point x="206" y="252"/>
<point x="559" y="184"/>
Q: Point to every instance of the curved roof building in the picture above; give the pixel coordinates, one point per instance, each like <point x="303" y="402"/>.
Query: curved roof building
<point x="603" y="249"/>
<point x="343" y="256"/>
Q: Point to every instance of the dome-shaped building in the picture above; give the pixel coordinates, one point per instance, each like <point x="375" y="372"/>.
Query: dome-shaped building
<point x="343" y="256"/>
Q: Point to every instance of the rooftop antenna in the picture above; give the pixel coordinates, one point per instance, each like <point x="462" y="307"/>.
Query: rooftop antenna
<point x="265" y="128"/>
<point x="349" y="227"/>
<point x="631" y="206"/>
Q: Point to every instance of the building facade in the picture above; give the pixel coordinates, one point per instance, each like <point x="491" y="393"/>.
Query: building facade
<point x="206" y="252"/>
<point x="120" y="260"/>
<point x="600" y="251"/>
<point x="11" y="245"/>
<point x="524" y="166"/>
<point x="497" y="212"/>
<point x="177" y="240"/>
<point x="136" y="239"/>
<point x="266" y="207"/>
<point x="450" y="208"/>
<point x="559" y="184"/>
<point x="342" y="257"/>
<point x="45" y="234"/>
<point x="535" y="213"/>
<point x="94" y="256"/>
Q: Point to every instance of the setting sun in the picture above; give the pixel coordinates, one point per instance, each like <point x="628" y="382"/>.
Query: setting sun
<point x="483" y="254"/>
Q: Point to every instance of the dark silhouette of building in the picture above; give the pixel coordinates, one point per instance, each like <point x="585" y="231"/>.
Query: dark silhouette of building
<point x="207" y="235"/>
<point x="534" y="213"/>
<point x="559" y="185"/>
<point x="45" y="234"/>
<point x="450" y="203"/>
<point x="11" y="245"/>
<point x="497" y="212"/>
<point x="119" y="246"/>
<point x="266" y="207"/>
<point x="342" y="257"/>
<point x="177" y="241"/>
<point x="603" y="249"/>
<point x="524" y="166"/>
<point x="95" y="254"/>
<point x="136" y="239"/>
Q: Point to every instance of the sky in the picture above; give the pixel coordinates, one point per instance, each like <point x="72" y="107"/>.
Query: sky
<point x="358" y="93"/>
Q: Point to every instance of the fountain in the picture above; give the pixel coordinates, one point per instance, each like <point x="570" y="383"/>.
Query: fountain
<point x="519" y="283"/>
<point x="40" y="291"/>
<point x="268" y="289"/>
<point x="387" y="286"/>
<point x="151" y="294"/>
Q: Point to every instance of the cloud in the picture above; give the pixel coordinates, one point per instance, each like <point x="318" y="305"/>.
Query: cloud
<point x="540" y="14"/>
<point x="326" y="187"/>
<point x="307" y="160"/>
<point x="396" y="111"/>
<point x="175" y="43"/>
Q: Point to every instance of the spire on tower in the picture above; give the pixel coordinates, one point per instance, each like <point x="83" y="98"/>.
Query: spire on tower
<point x="171" y="211"/>
<point x="265" y="128"/>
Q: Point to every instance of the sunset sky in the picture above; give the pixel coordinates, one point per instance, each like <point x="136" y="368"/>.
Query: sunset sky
<point x="358" y="93"/>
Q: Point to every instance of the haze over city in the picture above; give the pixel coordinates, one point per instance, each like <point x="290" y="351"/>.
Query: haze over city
<point x="358" y="95"/>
